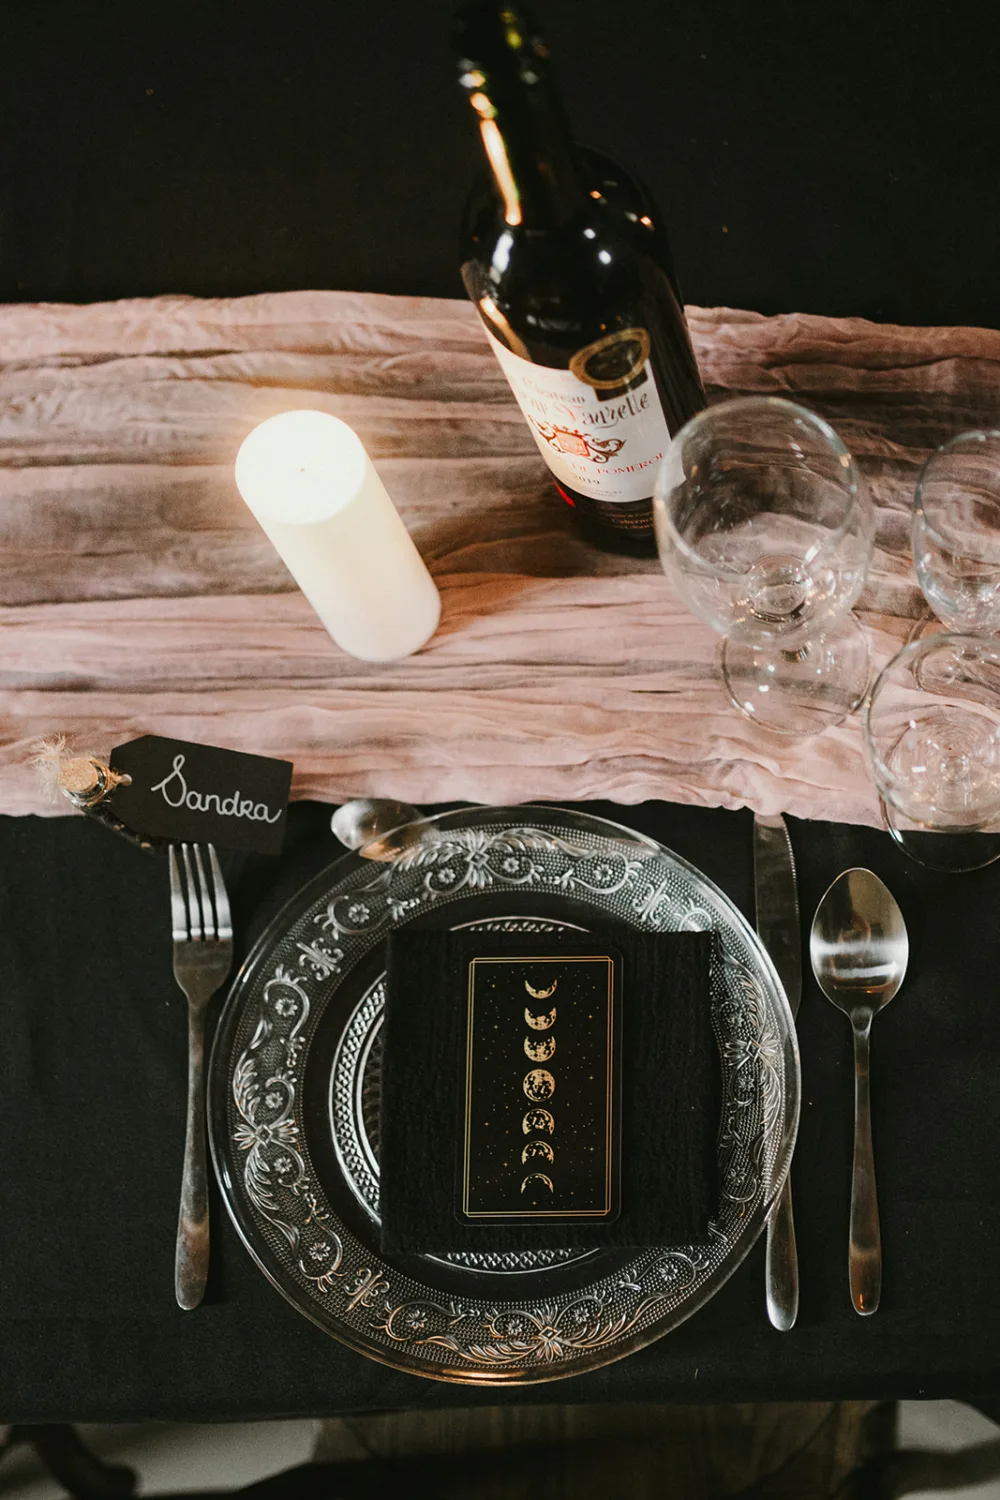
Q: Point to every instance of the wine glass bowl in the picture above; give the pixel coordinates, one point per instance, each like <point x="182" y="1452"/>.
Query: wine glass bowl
<point x="956" y="532"/>
<point x="932" y="740"/>
<point x="766" y="528"/>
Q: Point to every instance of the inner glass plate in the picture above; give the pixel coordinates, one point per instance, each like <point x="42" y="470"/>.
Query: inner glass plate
<point x="295" y="1094"/>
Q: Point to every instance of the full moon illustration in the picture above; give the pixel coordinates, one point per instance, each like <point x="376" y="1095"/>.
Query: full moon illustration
<point x="537" y="1177"/>
<point x="541" y="1048"/>
<point x="537" y="1149"/>
<point x="538" y="1119"/>
<point x="540" y="1023"/>
<point x="539" y="1085"/>
<point x="541" y="994"/>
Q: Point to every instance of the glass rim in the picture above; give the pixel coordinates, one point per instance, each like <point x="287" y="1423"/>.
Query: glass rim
<point x="975" y="434"/>
<point x="882" y="775"/>
<point x="773" y="403"/>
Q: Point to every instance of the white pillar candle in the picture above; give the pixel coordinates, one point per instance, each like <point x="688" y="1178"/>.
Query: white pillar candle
<point x="306" y="477"/>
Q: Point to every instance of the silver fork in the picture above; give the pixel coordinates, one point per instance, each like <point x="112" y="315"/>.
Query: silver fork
<point x="203" y="953"/>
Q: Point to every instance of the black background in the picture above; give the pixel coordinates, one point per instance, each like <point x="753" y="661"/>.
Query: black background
<point x="835" y="158"/>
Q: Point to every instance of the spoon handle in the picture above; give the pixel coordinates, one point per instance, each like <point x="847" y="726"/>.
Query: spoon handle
<point x="866" y="1237"/>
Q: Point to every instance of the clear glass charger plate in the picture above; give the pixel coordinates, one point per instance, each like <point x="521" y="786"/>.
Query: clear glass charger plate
<point x="294" y="1096"/>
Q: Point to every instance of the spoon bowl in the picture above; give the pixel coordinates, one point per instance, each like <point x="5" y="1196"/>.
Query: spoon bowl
<point x="365" y="819"/>
<point x="858" y="945"/>
<point x="859" y="950"/>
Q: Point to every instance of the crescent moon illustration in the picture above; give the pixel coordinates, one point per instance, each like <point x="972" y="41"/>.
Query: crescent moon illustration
<point x="539" y="1085"/>
<point x="541" y="994"/>
<point x="540" y="1048"/>
<point x="538" y="1119"/>
<point x="542" y="1022"/>
<point x="538" y="1177"/>
<point x="535" y="1149"/>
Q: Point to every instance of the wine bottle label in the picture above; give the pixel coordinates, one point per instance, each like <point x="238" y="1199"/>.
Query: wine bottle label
<point x="599" y="425"/>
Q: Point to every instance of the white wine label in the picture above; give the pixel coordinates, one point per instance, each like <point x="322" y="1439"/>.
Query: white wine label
<point x="603" y="440"/>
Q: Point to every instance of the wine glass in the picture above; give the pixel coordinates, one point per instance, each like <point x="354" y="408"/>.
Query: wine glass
<point x="932" y="741"/>
<point x="956" y="532"/>
<point x="765" y="525"/>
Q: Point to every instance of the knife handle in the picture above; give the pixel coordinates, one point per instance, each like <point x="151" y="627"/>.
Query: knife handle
<point x="782" y="1276"/>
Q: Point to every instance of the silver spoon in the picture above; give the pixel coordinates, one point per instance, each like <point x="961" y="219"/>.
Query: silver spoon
<point x="361" y="821"/>
<point x="859" y="951"/>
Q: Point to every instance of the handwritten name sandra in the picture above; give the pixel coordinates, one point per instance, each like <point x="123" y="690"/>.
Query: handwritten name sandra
<point x="177" y="793"/>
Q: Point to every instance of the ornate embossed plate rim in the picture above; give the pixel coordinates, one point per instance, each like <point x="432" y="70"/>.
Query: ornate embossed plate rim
<point x="593" y="1334"/>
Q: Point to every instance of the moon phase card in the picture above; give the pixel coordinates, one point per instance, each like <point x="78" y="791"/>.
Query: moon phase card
<point x="541" y="1123"/>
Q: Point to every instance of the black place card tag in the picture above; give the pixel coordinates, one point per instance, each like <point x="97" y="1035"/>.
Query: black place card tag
<point x="541" y="1123"/>
<point x="201" y="794"/>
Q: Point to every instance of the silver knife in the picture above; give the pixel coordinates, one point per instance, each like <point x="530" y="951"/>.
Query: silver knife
<point x="777" y="912"/>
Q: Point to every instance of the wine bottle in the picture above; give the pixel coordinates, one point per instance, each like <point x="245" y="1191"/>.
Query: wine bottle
<point x="567" y="261"/>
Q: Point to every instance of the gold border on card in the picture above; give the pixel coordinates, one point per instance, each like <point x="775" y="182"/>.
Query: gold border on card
<point x="555" y="1213"/>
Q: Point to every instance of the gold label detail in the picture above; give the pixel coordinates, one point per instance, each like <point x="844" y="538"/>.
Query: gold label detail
<point x="614" y="361"/>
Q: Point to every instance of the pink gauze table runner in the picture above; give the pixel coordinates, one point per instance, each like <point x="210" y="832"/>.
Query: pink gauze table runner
<point x="138" y="595"/>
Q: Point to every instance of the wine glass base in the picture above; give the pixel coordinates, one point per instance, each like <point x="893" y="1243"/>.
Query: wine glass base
<point x="800" y="692"/>
<point x="954" y="851"/>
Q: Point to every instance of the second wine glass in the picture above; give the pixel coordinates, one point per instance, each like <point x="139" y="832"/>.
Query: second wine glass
<point x="956" y="532"/>
<point x="765" y="526"/>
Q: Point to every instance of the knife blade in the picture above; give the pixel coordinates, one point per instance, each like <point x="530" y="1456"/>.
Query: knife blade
<point x="776" y="900"/>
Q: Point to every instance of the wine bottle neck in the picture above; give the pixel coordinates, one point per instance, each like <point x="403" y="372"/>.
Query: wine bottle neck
<point x="525" y="133"/>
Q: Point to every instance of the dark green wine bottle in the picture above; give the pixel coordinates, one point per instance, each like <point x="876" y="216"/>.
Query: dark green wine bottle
<point x="566" y="259"/>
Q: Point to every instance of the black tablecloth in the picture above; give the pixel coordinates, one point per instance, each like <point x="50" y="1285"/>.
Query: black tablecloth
<point x="88" y="1326"/>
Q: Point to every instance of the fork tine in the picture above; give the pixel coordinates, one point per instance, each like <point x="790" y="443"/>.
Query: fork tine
<point x="193" y="905"/>
<point x="178" y="907"/>
<point x="207" y="914"/>
<point x="223" y="919"/>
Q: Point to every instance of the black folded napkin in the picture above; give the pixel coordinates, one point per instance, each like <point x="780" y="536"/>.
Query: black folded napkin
<point x="669" y="1091"/>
